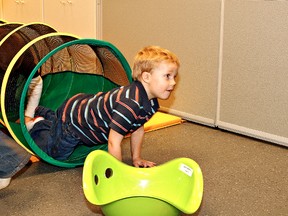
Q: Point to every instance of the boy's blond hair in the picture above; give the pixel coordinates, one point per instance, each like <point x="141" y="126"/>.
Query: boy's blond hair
<point x="150" y="57"/>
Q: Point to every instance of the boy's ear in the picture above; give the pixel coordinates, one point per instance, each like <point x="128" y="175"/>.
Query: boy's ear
<point x="145" y="76"/>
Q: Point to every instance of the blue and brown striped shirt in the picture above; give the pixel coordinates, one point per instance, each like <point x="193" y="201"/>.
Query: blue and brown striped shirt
<point x="123" y="109"/>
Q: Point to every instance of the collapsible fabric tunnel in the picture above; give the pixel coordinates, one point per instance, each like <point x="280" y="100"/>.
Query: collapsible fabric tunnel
<point x="13" y="37"/>
<point x="83" y="65"/>
<point x="4" y="30"/>
<point x="16" y="75"/>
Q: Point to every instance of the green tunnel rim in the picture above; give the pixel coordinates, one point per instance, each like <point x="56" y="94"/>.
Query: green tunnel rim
<point x="86" y="41"/>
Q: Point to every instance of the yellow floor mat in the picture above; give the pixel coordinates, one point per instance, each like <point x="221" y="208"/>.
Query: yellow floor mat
<point x="161" y="120"/>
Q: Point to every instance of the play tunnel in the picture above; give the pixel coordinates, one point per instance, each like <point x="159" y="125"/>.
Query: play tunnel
<point x="13" y="37"/>
<point x="68" y="65"/>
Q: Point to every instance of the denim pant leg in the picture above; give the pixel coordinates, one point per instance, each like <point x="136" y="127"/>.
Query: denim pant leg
<point x="54" y="138"/>
<point x="12" y="156"/>
<point x="42" y="135"/>
<point x="65" y="142"/>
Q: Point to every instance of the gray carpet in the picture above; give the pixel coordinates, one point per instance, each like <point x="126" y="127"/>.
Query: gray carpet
<point x="242" y="176"/>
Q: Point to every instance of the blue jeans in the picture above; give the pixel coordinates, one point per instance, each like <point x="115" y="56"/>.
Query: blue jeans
<point x="52" y="135"/>
<point x="12" y="156"/>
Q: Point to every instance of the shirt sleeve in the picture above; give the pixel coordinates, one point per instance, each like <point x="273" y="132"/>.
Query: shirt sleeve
<point x="124" y="114"/>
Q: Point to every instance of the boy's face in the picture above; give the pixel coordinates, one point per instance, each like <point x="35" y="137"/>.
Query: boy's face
<point x="161" y="81"/>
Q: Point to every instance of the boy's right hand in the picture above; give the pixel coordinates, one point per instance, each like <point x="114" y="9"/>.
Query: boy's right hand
<point x="140" y="163"/>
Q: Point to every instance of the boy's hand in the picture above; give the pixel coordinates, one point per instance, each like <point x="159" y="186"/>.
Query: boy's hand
<point x="143" y="163"/>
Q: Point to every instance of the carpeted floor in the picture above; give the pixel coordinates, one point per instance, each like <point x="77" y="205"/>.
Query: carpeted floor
<point x="242" y="176"/>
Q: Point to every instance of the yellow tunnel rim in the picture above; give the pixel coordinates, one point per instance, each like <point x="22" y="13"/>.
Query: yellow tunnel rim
<point x="6" y="77"/>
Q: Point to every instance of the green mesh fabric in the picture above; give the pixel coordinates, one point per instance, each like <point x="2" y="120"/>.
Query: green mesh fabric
<point x="60" y="86"/>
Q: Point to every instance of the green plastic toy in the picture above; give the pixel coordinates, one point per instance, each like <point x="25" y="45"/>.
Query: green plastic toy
<point x="120" y="190"/>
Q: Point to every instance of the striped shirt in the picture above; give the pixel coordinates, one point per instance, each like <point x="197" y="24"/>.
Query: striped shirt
<point x="124" y="109"/>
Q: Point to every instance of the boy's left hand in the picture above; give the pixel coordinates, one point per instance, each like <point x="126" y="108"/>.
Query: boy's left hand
<point x="143" y="163"/>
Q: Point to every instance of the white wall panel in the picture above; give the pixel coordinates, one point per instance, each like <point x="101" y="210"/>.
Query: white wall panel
<point x="188" y="28"/>
<point x="254" y="77"/>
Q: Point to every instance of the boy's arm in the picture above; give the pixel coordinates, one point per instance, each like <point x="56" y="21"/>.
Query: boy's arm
<point x="136" y="145"/>
<point x="114" y="144"/>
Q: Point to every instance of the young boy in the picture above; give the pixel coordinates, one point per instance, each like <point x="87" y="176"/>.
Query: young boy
<point x="108" y="116"/>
